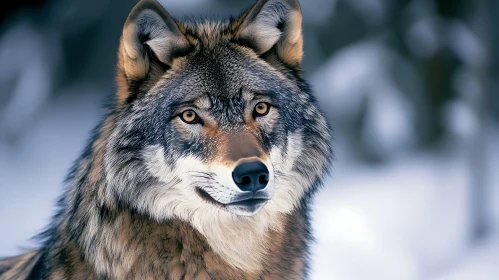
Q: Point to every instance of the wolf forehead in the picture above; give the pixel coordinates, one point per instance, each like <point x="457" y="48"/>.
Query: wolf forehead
<point x="223" y="71"/>
<point x="225" y="80"/>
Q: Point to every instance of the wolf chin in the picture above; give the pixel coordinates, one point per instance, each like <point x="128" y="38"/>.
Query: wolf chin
<point x="204" y="167"/>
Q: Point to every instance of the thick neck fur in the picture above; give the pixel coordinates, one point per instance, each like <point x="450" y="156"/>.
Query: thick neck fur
<point x="96" y="239"/>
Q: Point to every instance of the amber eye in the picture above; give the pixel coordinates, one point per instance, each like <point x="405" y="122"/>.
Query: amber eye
<point x="262" y="109"/>
<point x="189" y="116"/>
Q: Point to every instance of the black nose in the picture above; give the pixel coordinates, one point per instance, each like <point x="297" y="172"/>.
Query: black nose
<point x="251" y="176"/>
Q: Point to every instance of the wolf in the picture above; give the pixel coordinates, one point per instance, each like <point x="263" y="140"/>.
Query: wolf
<point x="205" y="165"/>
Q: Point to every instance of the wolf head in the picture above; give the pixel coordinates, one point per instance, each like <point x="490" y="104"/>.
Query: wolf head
<point x="213" y="117"/>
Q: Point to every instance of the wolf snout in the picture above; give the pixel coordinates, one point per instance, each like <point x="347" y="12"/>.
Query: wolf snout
<point x="251" y="176"/>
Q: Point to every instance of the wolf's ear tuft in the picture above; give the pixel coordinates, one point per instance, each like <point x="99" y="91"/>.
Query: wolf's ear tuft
<point x="273" y="24"/>
<point x="151" y="37"/>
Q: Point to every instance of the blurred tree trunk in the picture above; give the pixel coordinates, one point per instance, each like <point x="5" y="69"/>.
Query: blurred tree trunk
<point x="480" y="22"/>
<point x="493" y="89"/>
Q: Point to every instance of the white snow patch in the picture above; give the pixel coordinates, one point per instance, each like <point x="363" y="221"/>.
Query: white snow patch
<point x="399" y="221"/>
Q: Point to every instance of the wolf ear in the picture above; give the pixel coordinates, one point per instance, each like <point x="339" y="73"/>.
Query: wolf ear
<point x="273" y="24"/>
<point x="151" y="39"/>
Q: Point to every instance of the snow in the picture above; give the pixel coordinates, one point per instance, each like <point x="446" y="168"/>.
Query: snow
<point x="480" y="263"/>
<point x="392" y="216"/>
<point x="408" y="219"/>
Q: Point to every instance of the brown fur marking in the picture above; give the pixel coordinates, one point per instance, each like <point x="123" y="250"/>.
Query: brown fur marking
<point x="18" y="267"/>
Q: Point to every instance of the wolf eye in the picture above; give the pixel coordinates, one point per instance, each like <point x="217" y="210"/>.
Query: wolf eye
<point x="262" y="109"/>
<point x="189" y="116"/>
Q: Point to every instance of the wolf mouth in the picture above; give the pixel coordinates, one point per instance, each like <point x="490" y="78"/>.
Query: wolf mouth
<point x="245" y="199"/>
<point x="249" y="203"/>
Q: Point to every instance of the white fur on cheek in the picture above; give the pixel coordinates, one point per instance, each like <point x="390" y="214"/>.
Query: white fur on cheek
<point x="173" y="195"/>
<point x="288" y="189"/>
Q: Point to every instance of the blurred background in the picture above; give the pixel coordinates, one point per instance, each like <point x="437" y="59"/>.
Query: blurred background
<point x="411" y="88"/>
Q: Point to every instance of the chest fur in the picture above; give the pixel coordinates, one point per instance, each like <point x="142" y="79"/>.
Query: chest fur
<point x="130" y="247"/>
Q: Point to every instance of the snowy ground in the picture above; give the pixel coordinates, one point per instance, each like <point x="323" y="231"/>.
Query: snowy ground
<point x="405" y="220"/>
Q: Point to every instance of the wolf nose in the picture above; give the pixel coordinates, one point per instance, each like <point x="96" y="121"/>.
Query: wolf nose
<point x="251" y="176"/>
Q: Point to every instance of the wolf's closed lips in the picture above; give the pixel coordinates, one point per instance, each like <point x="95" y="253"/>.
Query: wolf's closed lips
<point x="250" y="203"/>
<point x="259" y="195"/>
